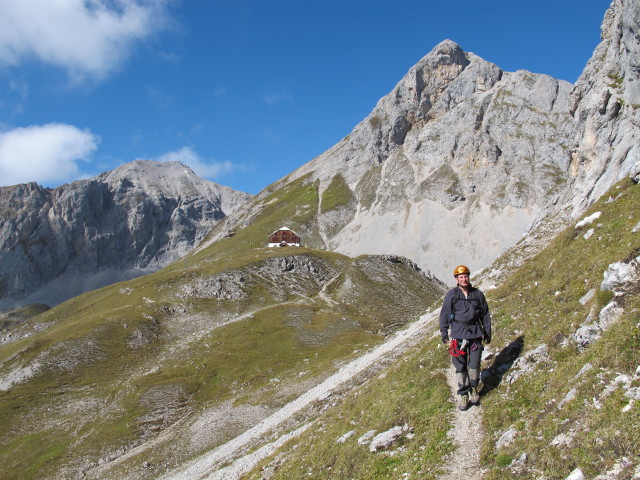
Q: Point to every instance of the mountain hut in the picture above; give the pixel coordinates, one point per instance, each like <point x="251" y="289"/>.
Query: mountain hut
<point x="284" y="237"/>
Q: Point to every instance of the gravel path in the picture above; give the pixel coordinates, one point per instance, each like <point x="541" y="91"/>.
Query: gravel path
<point x="209" y="466"/>
<point x="466" y="435"/>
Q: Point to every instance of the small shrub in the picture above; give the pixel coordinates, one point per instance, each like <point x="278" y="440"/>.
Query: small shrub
<point x="504" y="460"/>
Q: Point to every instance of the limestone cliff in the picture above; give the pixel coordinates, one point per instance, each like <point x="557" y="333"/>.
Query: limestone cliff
<point x="605" y="105"/>
<point x="58" y="243"/>
<point x="450" y="167"/>
<point x="462" y="159"/>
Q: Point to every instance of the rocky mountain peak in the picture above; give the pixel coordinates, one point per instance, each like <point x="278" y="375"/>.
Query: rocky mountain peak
<point x="457" y="145"/>
<point x="58" y="243"/>
<point x="154" y="175"/>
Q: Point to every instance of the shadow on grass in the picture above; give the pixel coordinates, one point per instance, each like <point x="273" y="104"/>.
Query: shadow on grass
<point x="492" y="376"/>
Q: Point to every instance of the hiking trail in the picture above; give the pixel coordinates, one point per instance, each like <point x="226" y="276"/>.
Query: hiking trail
<point x="466" y="435"/>
<point x="215" y="465"/>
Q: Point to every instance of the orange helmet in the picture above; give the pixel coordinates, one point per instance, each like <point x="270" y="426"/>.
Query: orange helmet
<point x="461" y="269"/>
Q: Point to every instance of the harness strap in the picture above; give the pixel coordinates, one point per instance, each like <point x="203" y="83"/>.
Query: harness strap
<point x="454" y="350"/>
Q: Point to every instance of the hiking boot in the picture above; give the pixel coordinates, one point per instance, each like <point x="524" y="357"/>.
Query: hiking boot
<point x="463" y="402"/>
<point x="474" y="396"/>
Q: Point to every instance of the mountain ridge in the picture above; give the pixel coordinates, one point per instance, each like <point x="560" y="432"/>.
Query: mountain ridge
<point x="57" y="243"/>
<point x="433" y="161"/>
<point x="459" y="144"/>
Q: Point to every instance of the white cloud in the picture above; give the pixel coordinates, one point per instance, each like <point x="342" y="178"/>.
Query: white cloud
<point x="85" y="37"/>
<point x="271" y="136"/>
<point x="276" y="97"/>
<point x="204" y="168"/>
<point x="46" y="154"/>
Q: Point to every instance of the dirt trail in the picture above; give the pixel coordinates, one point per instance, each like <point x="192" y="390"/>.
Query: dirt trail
<point x="210" y="465"/>
<point x="466" y="435"/>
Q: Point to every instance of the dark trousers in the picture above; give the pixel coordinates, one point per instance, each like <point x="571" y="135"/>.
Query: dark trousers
<point x="468" y="366"/>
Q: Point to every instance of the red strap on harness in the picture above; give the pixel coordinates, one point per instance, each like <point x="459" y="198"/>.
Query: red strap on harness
<point x="454" y="350"/>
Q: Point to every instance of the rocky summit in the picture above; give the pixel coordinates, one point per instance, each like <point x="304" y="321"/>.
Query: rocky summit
<point x="461" y="158"/>
<point x="458" y="145"/>
<point x="58" y="243"/>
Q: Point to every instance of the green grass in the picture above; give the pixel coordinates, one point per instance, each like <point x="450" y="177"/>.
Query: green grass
<point x="108" y="356"/>
<point x="413" y="391"/>
<point x="537" y="304"/>
<point x="244" y="357"/>
<point x="294" y="206"/>
<point x="336" y="195"/>
<point x="540" y="304"/>
<point x="14" y="317"/>
<point x="47" y="448"/>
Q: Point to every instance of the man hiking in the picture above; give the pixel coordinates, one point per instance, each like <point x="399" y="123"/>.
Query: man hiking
<point x="464" y="323"/>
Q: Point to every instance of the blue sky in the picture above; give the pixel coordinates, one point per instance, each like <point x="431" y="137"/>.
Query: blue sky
<point x="243" y="91"/>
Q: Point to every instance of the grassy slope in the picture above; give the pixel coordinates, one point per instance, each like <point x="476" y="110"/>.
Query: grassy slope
<point x="537" y="304"/>
<point x="413" y="392"/>
<point x="119" y="365"/>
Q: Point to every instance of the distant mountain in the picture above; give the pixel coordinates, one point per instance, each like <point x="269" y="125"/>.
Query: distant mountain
<point x="58" y="243"/>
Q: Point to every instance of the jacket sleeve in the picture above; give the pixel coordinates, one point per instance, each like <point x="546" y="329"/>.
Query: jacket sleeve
<point x="445" y="315"/>
<point x="486" y="319"/>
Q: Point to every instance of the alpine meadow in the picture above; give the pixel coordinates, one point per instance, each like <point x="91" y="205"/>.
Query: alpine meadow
<point x="161" y="326"/>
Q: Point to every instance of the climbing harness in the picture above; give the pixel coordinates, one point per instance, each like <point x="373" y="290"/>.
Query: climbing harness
<point x="456" y="351"/>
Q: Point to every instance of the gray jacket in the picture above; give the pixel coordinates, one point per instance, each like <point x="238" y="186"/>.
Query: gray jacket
<point x="466" y="317"/>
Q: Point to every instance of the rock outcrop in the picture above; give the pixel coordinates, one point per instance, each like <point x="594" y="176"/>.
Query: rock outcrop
<point x="605" y="105"/>
<point x="58" y="243"/>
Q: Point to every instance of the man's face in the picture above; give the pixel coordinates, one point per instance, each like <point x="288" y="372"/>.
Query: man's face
<point x="463" y="280"/>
